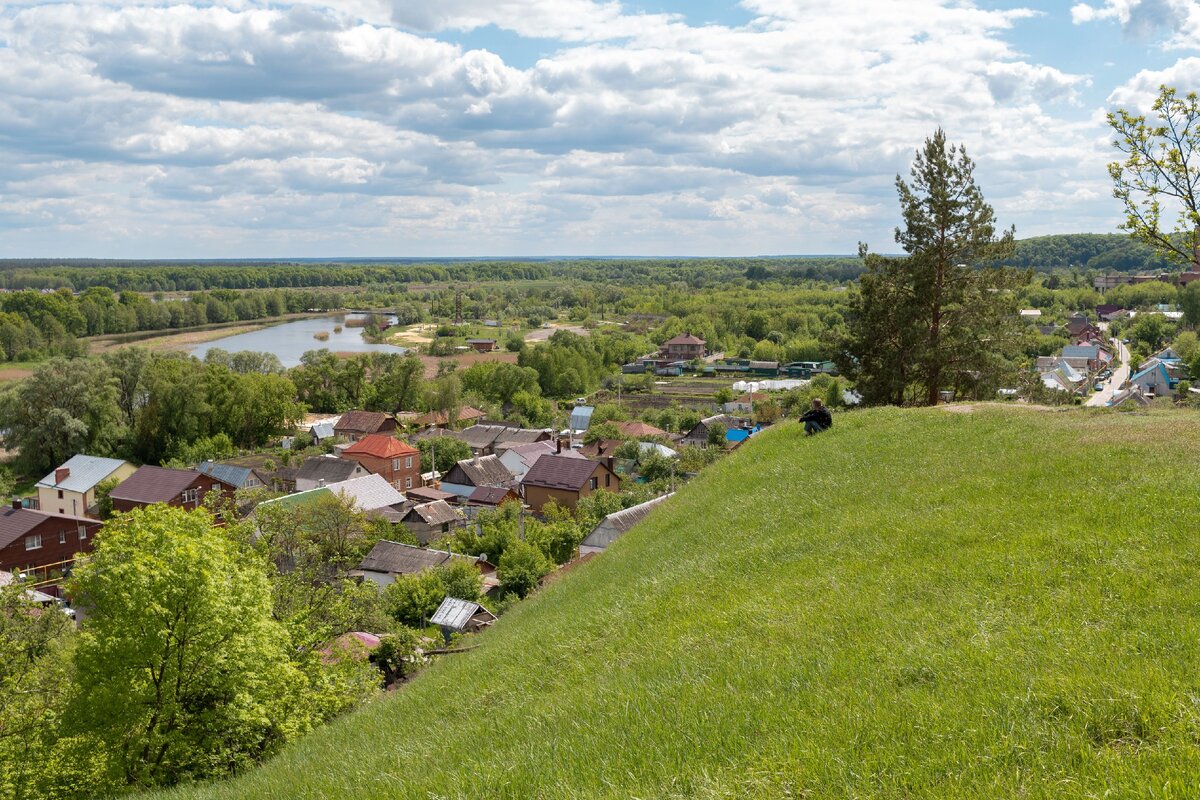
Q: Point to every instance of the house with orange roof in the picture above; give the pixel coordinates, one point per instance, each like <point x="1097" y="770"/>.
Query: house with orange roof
<point x="395" y="461"/>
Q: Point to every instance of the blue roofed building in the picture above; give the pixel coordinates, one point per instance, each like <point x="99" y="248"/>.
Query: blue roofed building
<point x="235" y="475"/>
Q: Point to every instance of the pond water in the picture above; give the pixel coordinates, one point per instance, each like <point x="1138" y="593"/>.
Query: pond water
<point x="290" y="340"/>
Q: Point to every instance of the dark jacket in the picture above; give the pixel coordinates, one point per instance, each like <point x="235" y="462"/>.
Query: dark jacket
<point x="821" y="416"/>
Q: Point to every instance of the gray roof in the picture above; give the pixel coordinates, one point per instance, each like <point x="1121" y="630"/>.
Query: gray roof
<point x="322" y="430"/>
<point x="405" y="559"/>
<point x="482" y="471"/>
<point x="325" y="468"/>
<point x="232" y="474"/>
<point x="368" y="492"/>
<point x="611" y="527"/>
<point x="455" y="614"/>
<point x="481" y="436"/>
<point x="151" y="484"/>
<point x="86" y="472"/>
<point x="1081" y="351"/>
<point x="438" y="512"/>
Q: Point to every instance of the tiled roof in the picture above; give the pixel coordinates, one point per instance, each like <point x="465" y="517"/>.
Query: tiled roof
<point x="683" y="338"/>
<point x="361" y="421"/>
<point x="152" y="484"/>
<point x="381" y="445"/>
<point x="560" y="472"/>
<point x="636" y="430"/>
<point x="16" y="522"/>
<point x="85" y="473"/>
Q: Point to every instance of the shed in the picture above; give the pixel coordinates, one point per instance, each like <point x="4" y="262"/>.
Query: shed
<point x="456" y="616"/>
<point x="581" y="418"/>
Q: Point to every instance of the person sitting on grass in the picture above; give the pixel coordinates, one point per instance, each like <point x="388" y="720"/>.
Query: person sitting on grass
<point x="817" y="418"/>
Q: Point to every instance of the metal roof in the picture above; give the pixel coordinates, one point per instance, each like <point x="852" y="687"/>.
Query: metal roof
<point x="560" y="472"/>
<point x="454" y="613"/>
<point x="152" y="484"/>
<point x="581" y="418"/>
<point x="85" y="473"/>
<point x="327" y="468"/>
<point x="368" y="492"/>
<point x="611" y="527"/>
<point x="232" y="474"/>
<point x="406" y="559"/>
<point x="16" y="522"/>
<point x="322" y="430"/>
<point x="381" y="445"/>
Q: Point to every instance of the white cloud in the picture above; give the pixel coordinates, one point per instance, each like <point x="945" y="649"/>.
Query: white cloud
<point x="349" y="128"/>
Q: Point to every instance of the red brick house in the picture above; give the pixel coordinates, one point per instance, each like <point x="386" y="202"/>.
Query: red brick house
<point x="185" y="488"/>
<point x="396" y="462"/>
<point x="684" y="347"/>
<point x="33" y="541"/>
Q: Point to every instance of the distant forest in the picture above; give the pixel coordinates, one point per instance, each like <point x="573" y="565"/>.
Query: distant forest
<point x="1081" y="251"/>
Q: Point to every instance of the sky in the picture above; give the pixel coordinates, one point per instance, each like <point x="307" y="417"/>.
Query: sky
<point x="421" y="128"/>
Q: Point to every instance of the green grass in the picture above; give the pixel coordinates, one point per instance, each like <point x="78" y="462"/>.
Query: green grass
<point x="916" y="604"/>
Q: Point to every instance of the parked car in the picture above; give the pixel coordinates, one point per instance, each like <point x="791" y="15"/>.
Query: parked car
<point x="1099" y="387"/>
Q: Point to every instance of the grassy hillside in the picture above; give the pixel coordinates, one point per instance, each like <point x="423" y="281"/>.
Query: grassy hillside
<point x="916" y="604"/>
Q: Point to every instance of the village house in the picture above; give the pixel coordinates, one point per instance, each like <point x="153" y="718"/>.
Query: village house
<point x="1093" y="357"/>
<point x="1078" y="326"/>
<point x="490" y="497"/>
<point x="380" y="454"/>
<point x="471" y="473"/>
<point x="684" y="347"/>
<point x="616" y="524"/>
<point x="321" y="471"/>
<point x="429" y="521"/>
<point x="698" y="435"/>
<point x="467" y="415"/>
<point x="639" y="430"/>
<point x="354" y="425"/>
<point x="39" y="543"/>
<point x="71" y="489"/>
<point x="1156" y="378"/>
<point x="482" y="345"/>
<point x="744" y="404"/>
<point x="388" y="560"/>
<point x="236" y="475"/>
<point x="519" y="458"/>
<point x="183" y="488"/>
<point x="488" y="439"/>
<point x="427" y="494"/>
<point x="565" y="480"/>
<point x="601" y="448"/>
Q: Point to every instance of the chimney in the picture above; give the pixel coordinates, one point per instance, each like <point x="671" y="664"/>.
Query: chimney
<point x="16" y="504"/>
<point x="61" y="474"/>
<point x="558" y="447"/>
<point x="608" y="462"/>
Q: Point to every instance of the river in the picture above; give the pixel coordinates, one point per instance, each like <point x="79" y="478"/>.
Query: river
<point x="290" y="340"/>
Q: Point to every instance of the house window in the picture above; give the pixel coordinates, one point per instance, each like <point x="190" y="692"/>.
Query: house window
<point x="608" y="479"/>
<point x="594" y="484"/>
<point x="395" y="464"/>
<point x="408" y="462"/>
<point x="189" y="495"/>
<point x="445" y="527"/>
<point x="408" y="483"/>
<point x="82" y="532"/>
<point x="60" y="494"/>
<point x="33" y="542"/>
<point x="62" y="537"/>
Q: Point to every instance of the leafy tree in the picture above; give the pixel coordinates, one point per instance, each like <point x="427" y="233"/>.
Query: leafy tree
<point x="958" y="316"/>
<point x="396" y="653"/>
<point x="1161" y="162"/>
<point x="597" y="432"/>
<point x="461" y="579"/>
<point x="412" y="599"/>
<point x="63" y="408"/>
<point x="1189" y="303"/>
<point x="444" y="395"/>
<point x="183" y="674"/>
<point x="723" y="395"/>
<point x="521" y="568"/>
<point x="716" y="434"/>
<point x="399" y="384"/>
<point x="446" y="449"/>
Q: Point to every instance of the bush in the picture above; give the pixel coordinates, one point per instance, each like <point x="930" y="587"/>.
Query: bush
<point x="521" y="568"/>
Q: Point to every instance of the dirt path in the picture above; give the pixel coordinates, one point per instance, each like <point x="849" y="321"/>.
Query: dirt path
<point x="542" y="334"/>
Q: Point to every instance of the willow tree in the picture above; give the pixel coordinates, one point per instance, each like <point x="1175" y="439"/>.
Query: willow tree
<point x="1161" y="174"/>
<point x="944" y="315"/>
